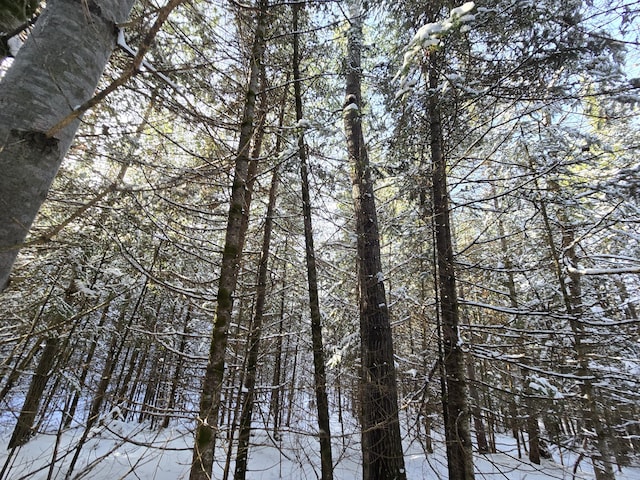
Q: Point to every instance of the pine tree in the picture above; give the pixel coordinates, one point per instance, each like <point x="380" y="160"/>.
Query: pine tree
<point x="381" y="442"/>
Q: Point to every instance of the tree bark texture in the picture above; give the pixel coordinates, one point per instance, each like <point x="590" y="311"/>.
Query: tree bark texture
<point x="203" y="452"/>
<point x="319" y="374"/>
<point x="24" y="428"/>
<point x="255" y="336"/>
<point x="381" y="441"/>
<point x="457" y="428"/>
<point x="57" y="69"/>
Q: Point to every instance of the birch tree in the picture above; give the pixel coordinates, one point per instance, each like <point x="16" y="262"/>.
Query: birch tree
<point x="56" y="70"/>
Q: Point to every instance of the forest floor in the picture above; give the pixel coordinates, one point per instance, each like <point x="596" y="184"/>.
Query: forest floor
<point x="128" y="451"/>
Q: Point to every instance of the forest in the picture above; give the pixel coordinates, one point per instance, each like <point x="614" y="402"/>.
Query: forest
<point x="382" y="240"/>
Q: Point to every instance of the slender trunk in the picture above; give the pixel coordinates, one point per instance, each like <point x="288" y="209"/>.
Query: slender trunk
<point x="116" y="346"/>
<point x="533" y="430"/>
<point x="203" y="452"/>
<point x="292" y="382"/>
<point x="478" y="423"/>
<point x="276" y="383"/>
<point x="154" y="374"/>
<point x="247" y="403"/>
<point x="320" y="377"/>
<point x="236" y="377"/>
<point x="128" y="384"/>
<point x="57" y="69"/>
<point x="457" y="431"/>
<point x="96" y="405"/>
<point x="86" y="365"/>
<point x="24" y="428"/>
<point x="255" y="337"/>
<point x="475" y="407"/>
<point x="381" y="441"/>
<point x="604" y="460"/>
<point x="572" y="297"/>
<point x="177" y="373"/>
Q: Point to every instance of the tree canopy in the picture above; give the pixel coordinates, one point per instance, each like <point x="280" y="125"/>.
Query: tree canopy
<point x="417" y="223"/>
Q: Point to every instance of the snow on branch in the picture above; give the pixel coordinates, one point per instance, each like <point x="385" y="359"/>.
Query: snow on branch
<point x="122" y="43"/>
<point x="603" y="271"/>
<point x="429" y="38"/>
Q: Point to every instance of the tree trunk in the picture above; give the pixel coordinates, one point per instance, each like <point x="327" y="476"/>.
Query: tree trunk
<point x="255" y="337"/>
<point x="533" y="430"/>
<point x="24" y="428"/>
<point x="20" y="365"/>
<point x="478" y="422"/>
<point x="291" y="391"/>
<point x="603" y="460"/>
<point x="57" y="69"/>
<point x="319" y="377"/>
<point x="86" y="365"/>
<point x="116" y="346"/>
<point x="203" y="452"/>
<point x="457" y="430"/>
<point x="572" y="298"/>
<point x="177" y="373"/>
<point x="381" y="441"/>
<point x="276" y="382"/>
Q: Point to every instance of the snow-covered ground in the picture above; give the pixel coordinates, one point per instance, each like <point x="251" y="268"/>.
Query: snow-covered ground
<point x="134" y="451"/>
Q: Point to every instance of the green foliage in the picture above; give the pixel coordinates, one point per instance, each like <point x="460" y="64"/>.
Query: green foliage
<point x="537" y="115"/>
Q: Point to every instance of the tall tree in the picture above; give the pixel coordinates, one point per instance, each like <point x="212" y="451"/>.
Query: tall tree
<point x="456" y="415"/>
<point x="319" y="374"/>
<point x="203" y="451"/>
<point x="381" y="441"/>
<point x="248" y="393"/>
<point x="56" y="70"/>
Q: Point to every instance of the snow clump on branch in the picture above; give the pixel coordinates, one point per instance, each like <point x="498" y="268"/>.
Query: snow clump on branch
<point x="429" y="37"/>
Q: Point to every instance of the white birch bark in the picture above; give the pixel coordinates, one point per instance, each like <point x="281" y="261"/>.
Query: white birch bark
<point x="56" y="70"/>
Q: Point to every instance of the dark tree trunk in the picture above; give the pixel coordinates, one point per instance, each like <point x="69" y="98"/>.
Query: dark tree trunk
<point x="320" y="378"/>
<point x="478" y="422"/>
<point x="177" y="373"/>
<point x="86" y="365"/>
<point x="533" y="430"/>
<point x="603" y="460"/>
<point x="116" y="346"/>
<point x="24" y="428"/>
<point x="381" y="441"/>
<point x="457" y="431"/>
<point x="203" y="452"/>
<point x="255" y="337"/>
<point x="20" y="365"/>
<point x="276" y="382"/>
